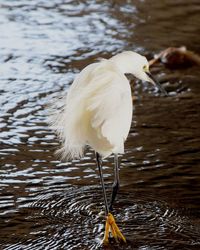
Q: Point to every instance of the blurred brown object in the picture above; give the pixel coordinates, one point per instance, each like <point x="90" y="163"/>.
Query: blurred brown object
<point x="176" y="58"/>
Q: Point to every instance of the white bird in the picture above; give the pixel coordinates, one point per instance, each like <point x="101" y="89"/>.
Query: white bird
<point x="98" y="113"/>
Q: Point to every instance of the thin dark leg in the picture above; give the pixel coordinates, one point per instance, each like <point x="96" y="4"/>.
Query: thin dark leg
<point x="116" y="182"/>
<point x="99" y="161"/>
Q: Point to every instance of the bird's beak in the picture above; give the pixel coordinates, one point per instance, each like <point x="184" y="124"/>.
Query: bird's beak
<point x="155" y="82"/>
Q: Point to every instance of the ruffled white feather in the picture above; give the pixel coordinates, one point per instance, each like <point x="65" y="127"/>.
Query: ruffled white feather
<point x="97" y="112"/>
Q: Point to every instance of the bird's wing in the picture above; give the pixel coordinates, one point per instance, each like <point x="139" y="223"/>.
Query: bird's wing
<point x="100" y="99"/>
<point x="111" y="105"/>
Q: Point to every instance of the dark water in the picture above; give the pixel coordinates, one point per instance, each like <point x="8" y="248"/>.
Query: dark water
<point x="48" y="204"/>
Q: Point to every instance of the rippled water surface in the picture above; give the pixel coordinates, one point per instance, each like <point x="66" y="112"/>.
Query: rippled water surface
<point x="49" y="204"/>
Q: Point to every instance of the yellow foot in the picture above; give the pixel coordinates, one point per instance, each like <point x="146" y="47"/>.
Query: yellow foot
<point x="112" y="227"/>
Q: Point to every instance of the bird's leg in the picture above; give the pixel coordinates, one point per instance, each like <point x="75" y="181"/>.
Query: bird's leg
<point x="107" y="227"/>
<point x="115" y="187"/>
<point x="111" y="225"/>
<point x="99" y="164"/>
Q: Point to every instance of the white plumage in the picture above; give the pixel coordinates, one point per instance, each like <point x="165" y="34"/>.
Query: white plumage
<point x="98" y="107"/>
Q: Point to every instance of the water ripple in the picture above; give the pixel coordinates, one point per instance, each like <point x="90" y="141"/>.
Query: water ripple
<point x="49" y="204"/>
<point x="74" y="217"/>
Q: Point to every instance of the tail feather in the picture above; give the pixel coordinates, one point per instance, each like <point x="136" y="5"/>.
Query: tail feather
<point x="67" y="129"/>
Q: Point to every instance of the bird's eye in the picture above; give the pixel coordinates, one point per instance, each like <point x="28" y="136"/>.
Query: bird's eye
<point x="145" y="68"/>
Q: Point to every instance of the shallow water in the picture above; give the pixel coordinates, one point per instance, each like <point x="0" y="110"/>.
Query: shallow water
<point x="48" y="204"/>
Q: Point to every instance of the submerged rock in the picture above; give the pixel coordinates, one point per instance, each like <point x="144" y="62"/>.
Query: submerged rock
<point x="176" y="58"/>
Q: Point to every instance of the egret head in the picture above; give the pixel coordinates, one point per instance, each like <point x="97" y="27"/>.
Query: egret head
<point x="137" y="65"/>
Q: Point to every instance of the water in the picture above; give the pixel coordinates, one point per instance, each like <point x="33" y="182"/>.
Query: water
<point x="48" y="204"/>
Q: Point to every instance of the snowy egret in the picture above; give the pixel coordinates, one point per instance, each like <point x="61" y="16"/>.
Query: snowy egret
<point x="98" y="113"/>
